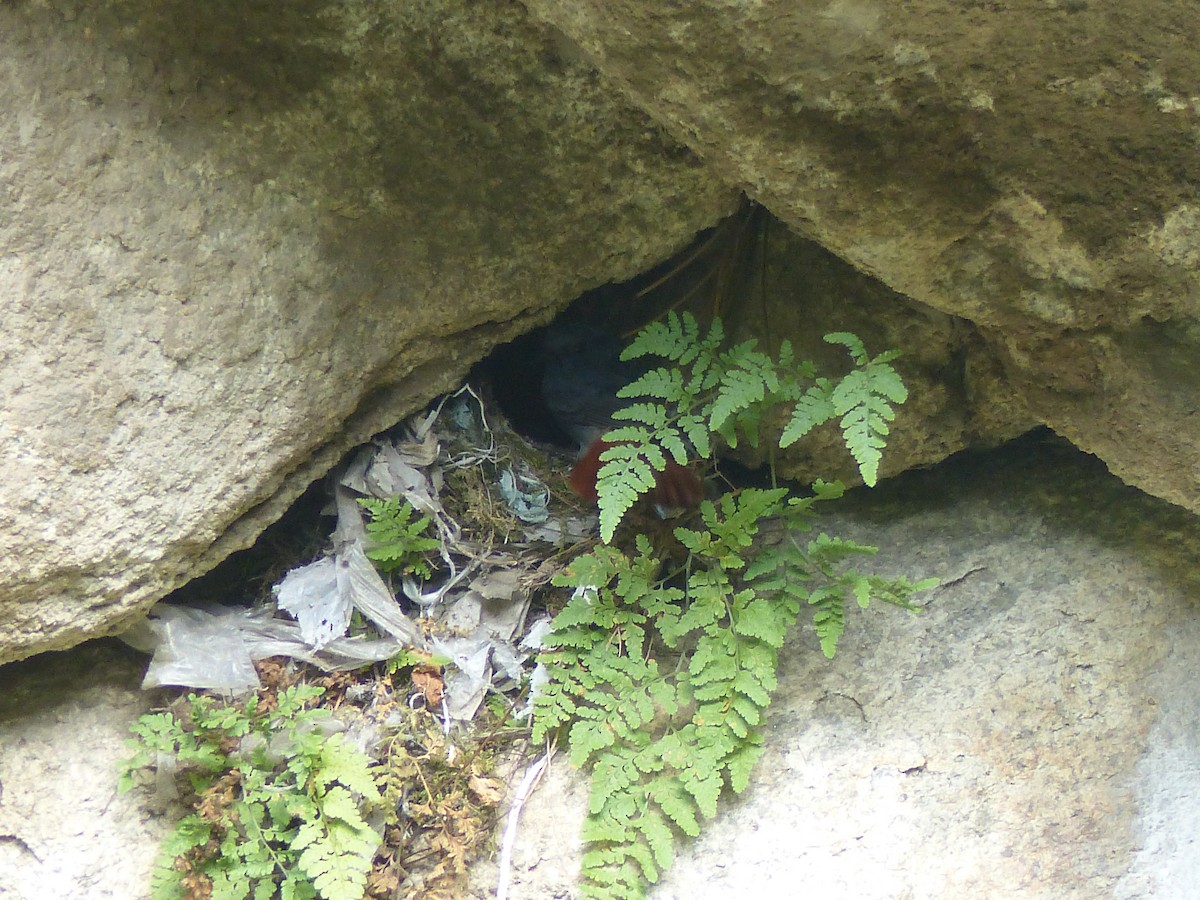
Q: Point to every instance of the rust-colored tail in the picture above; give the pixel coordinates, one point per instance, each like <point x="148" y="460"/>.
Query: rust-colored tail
<point x="677" y="487"/>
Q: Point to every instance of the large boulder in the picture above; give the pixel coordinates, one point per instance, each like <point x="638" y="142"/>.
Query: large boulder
<point x="238" y="239"/>
<point x="1029" y="168"/>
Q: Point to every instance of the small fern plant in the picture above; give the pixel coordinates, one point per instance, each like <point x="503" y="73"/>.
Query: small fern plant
<point x="397" y="541"/>
<point x="279" y="802"/>
<point x="660" y="676"/>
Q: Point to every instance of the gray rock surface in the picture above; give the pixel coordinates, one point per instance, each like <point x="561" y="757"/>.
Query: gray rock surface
<point x="1032" y="734"/>
<point x="64" y="832"/>
<point x="237" y="240"/>
<point x="1028" y="167"/>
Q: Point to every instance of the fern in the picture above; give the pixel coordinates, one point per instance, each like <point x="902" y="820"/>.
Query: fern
<point x="395" y="540"/>
<point x="705" y="391"/>
<point x="279" y="802"/>
<point x="627" y="472"/>
<point x="661" y="680"/>
<point x="864" y="400"/>
<point x="337" y="847"/>
<point x="813" y="408"/>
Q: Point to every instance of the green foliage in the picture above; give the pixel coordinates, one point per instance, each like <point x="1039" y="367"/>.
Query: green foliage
<point x="409" y="657"/>
<point x="395" y="540"/>
<point x="811" y="572"/>
<point x="705" y="390"/>
<point x="280" y="802"/>
<point x="659" y="675"/>
<point x="864" y="400"/>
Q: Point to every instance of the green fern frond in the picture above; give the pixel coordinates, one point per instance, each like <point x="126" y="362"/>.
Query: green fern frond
<point x="814" y="407"/>
<point x="747" y="378"/>
<point x="735" y="519"/>
<point x="736" y="387"/>
<point x="665" y="384"/>
<point x="672" y="441"/>
<point x="864" y="400"/>
<point x="296" y="828"/>
<point x="342" y="763"/>
<point x="829" y="617"/>
<point x="695" y="430"/>
<point x="336" y="851"/>
<point x="652" y="415"/>
<point x="632" y="435"/>
<point x="826" y="552"/>
<point x="627" y="473"/>
<point x="894" y="591"/>
<point x="394" y="539"/>
<point x="864" y="428"/>
<point x="674" y="338"/>
<point x="189" y="833"/>
<point x="853" y="346"/>
<point x="759" y="619"/>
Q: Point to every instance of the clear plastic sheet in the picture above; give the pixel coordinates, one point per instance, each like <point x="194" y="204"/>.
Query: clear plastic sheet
<point x="477" y="605"/>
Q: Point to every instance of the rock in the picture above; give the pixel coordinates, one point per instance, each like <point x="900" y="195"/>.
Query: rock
<point x="1026" y="168"/>
<point x="64" y="830"/>
<point x="237" y="240"/>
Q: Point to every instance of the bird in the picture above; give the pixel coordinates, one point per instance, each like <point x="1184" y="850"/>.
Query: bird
<point x="582" y="373"/>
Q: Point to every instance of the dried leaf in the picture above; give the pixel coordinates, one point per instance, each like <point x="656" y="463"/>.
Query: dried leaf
<point x="489" y="791"/>
<point x="428" y="680"/>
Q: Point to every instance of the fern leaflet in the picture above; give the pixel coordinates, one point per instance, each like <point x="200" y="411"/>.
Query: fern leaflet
<point x="709" y="391"/>
<point x="864" y="400"/>
<point x="283" y="810"/>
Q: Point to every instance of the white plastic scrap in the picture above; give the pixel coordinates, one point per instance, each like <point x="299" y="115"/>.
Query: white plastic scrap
<point x="358" y="577"/>
<point x="540" y="677"/>
<point x="536" y="633"/>
<point x="488" y="617"/>
<point x="468" y="676"/>
<point x="422" y="451"/>
<point x="563" y="531"/>
<point x="391" y="476"/>
<point x="197" y="648"/>
<point x="527" y="497"/>
<point x="346" y="491"/>
<point x="427" y="599"/>
<point x="312" y="594"/>
<point x="323" y="594"/>
<point x="505" y="602"/>
<point x="215" y="647"/>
